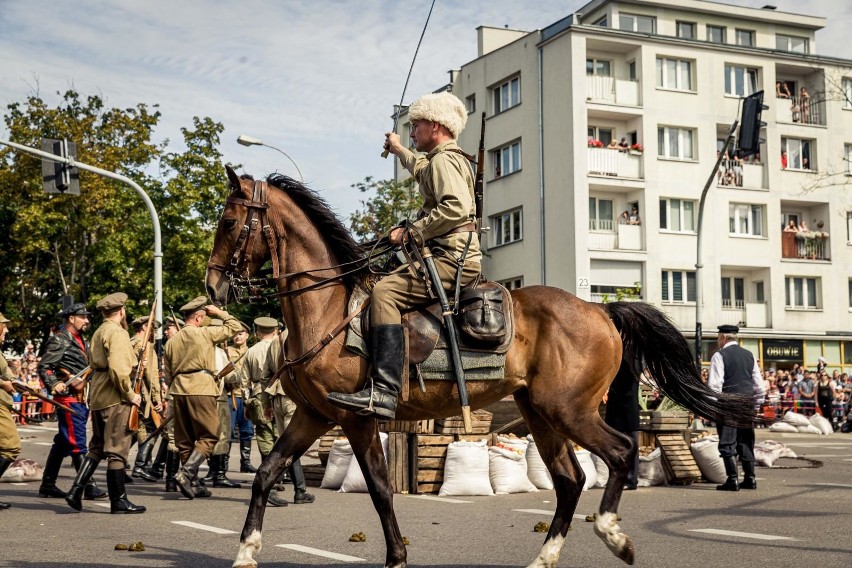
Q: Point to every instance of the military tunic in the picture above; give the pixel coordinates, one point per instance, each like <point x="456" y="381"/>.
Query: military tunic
<point x="254" y="374"/>
<point x="111" y="393"/>
<point x="239" y="422"/>
<point x="283" y="406"/>
<point x="10" y="442"/>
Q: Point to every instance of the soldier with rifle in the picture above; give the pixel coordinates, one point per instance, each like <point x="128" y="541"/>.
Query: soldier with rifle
<point x="112" y="400"/>
<point x="240" y="423"/>
<point x="66" y="353"/>
<point x="446" y="225"/>
<point x="10" y="442"/>
<point x="146" y="382"/>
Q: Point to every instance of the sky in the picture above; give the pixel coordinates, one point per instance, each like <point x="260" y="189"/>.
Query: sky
<point x="317" y="79"/>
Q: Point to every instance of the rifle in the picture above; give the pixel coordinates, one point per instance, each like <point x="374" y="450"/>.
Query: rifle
<point x="133" y="421"/>
<point x="23" y="416"/>
<point x="479" y="181"/>
<point x="26" y="389"/>
<point x="81" y="376"/>
<point x="229" y="368"/>
<point x="160" y="427"/>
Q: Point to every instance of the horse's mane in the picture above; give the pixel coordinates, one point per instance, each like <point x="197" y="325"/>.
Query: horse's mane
<point x="335" y="234"/>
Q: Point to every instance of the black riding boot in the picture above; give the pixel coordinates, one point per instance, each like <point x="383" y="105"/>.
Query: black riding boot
<point x="92" y="491"/>
<point x="188" y="472"/>
<point x="245" y="457"/>
<point x="172" y="466"/>
<point x="379" y="399"/>
<point x="749" y="480"/>
<point x="4" y="465"/>
<point x="118" y="503"/>
<point x="143" y="456"/>
<point x="157" y="468"/>
<point x="48" y="486"/>
<point x="84" y="476"/>
<point x="212" y="469"/>
<point x="220" y="480"/>
<point x="298" y="475"/>
<point x="730" y="469"/>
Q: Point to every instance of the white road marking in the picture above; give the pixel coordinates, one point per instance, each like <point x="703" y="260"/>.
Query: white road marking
<point x="43" y="443"/>
<point x="743" y="534"/>
<point x="843" y="485"/>
<point x="207" y="528"/>
<point x="820" y="444"/>
<point x="821" y="455"/>
<point x="104" y="505"/>
<point x="33" y="430"/>
<point x="21" y="484"/>
<point x="546" y="512"/>
<point x="323" y="553"/>
<point x="439" y="499"/>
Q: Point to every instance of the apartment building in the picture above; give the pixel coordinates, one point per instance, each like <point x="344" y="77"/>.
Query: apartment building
<point x="665" y="80"/>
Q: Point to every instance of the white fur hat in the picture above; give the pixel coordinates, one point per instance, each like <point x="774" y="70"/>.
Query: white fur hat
<point x="444" y="108"/>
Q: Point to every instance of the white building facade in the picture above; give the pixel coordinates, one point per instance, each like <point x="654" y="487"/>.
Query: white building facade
<point x="666" y="80"/>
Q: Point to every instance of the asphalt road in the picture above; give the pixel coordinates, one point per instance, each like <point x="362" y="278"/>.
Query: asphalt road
<point x="796" y="518"/>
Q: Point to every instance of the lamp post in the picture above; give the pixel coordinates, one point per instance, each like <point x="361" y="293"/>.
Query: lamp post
<point x="251" y="141"/>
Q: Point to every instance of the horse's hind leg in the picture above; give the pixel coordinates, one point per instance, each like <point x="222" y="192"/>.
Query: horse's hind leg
<point x="302" y="431"/>
<point x="568" y="479"/>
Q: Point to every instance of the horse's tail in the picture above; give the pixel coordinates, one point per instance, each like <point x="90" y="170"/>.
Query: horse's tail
<point x="651" y="340"/>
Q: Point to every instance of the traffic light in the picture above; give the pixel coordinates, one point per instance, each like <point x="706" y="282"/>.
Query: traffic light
<point x="59" y="177"/>
<point x="750" y="125"/>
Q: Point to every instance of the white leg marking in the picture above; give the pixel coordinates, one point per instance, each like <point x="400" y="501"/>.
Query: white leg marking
<point x="606" y="527"/>
<point x="549" y="555"/>
<point x="248" y="548"/>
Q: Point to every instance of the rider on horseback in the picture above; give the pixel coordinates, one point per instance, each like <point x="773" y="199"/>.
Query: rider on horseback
<point x="445" y="223"/>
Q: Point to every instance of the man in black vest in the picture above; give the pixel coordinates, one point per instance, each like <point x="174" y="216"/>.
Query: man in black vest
<point x="734" y="370"/>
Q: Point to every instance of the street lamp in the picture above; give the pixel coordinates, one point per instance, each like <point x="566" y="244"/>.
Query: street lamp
<point x="251" y="141"/>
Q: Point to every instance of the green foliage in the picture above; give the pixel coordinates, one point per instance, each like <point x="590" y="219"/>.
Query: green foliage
<point x="621" y="294"/>
<point x="393" y="201"/>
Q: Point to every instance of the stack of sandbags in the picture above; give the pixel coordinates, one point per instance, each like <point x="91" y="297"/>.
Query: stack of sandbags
<point x="822" y="424"/>
<point x="466" y="470"/>
<point x="353" y="481"/>
<point x="585" y="458"/>
<point x="508" y="466"/>
<point x="536" y="469"/>
<point x="800" y="422"/>
<point x="339" y="458"/>
<point x="651" y="470"/>
<point x="705" y="451"/>
<point x="21" y="470"/>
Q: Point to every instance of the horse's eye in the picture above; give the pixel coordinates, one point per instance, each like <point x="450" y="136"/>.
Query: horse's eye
<point x="229" y="223"/>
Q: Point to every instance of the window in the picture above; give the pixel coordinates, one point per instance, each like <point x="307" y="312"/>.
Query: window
<point x="796" y="154"/>
<point x="599" y="67"/>
<point x="846" y="92"/>
<point x="716" y="34"/>
<point x="602" y="134"/>
<point x="740" y="81"/>
<point x="850" y="294"/>
<point x="791" y="43"/>
<point x="673" y="286"/>
<point x="801" y="293"/>
<point x="744" y="219"/>
<point x="677" y="215"/>
<point x="600" y="214"/>
<point x="848" y="149"/>
<point x="849" y="227"/>
<point x="674" y="74"/>
<point x="631" y="70"/>
<point x="512" y="283"/>
<point x="508" y="227"/>
<point x="636" y="23"/>
<point x="506" y="160"/>
<point x="675" y="143"/>
<point x="470" y="104"/>
<point x="686" y="30"/>
<point x="507" y="95"/>
<point x="733" y="293"/>
<point x="759" y="293"/>
<point x="745" y="37"/>
<point x="603" y="22"/>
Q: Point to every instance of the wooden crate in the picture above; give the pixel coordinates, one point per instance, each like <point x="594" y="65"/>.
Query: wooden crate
<point x="410" y="426"/>
<point x="326" y="442"/>
<point x="313" y="474"/>
<point x="654" y="420"/>
<point x="678" y="463"/>
<point x="427" y="455"/>
<point x="480" y="422"/>
<point x="398" y="456"/>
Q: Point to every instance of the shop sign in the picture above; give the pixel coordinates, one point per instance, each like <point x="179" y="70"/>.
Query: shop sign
<point x="783" y="350"/>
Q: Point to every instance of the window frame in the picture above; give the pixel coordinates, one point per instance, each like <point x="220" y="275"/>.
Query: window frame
<point x="663" y="151"/>
<point x="749" y="87"/>
<point x="849" y="227"/>
<point x="785" y="145"/>
<point x="735" y="219"/>
<point x="806" y="43"/>
<point x="598" y="130"/>
<point x="790" y="293"/>
<point x="846" y="92"/>
<point x="470" y="103"/>
<point x="693" y="25"/>
<point x="751" y="37"/>
<point x="723" y="29"/>
<point x="598" y="219"/>
<point x="513" y="95"/>
<point x="667" y="280"/>
<point x="635" y="26"/>
<point x="733" y="302"/>
<point x="512" y="283"/>
<point x="594" y="61"/>
<point x="497" y="223"/>
<point x="497" y="159"/>
<point x="665" y="218"/>
<point x="662" y="72"/>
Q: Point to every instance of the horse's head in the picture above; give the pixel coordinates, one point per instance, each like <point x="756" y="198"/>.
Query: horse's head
<point x="242" y="242"/>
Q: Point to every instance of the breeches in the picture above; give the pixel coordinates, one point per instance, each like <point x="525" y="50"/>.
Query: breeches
<point x="10" y="442"/>
<point x="224" y="444"/>
<point x="736" y="442"/>
<point x="403" y="290"/>
<point x="71" y="438"/>
<point x="111" y="438"/>
<point x="196" y="425"/>
<point x="284" y="409"/>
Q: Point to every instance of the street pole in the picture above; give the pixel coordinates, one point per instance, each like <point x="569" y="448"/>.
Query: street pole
<point x="698" y="264"/>
<point x="244" y="140"/>
<point x="155" y="219"/>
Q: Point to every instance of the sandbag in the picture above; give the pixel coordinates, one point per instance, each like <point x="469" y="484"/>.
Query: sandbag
<point x="536" y="469"/>
<point x="782" y="427"/>
<point x="706" y="454"/>
<point x="767" y="452"/>
<point x="353" y="481"/>
<point x="466" y="470"/>
<point x="795" y="419"/>
<point x="602" y="471"/>
<point x="809" y="429"/>
<point x="507" y="470"/>
<point x="585" y="459"/>
<point x="339" y="458"/>
<point x="22" y="469"/>
<point x="823" y="423"/>
<point x="651" y="469"/>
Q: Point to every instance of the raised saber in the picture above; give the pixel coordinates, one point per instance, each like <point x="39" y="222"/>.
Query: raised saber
<point x="410" y="69"/>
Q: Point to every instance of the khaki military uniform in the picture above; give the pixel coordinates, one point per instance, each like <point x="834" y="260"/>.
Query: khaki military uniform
<point x="151" y="385"/>
<point x="223" y="404"/>
<point x="10" y="442"/>
<point x="445" y="182"/>
<point x="190" y="365"/>
<point x="283" y="406"/>
<point x="254" y="375"/>
<point x="110" y="393"/>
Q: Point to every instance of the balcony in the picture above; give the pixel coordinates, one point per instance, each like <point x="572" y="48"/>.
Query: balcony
<point x="603" y="236"/>
<point x="805" y="246"/>
<point x="616" y="163"/>
<point x="609" y="90"/>
<point x="742" y="314"/>
<point x="800" y="111"/>
<point x="736" y="173"/>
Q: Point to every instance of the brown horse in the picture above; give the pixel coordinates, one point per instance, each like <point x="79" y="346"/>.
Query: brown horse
<point x="564" y="355"/>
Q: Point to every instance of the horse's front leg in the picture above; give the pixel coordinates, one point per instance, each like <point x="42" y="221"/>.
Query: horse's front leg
<point x="364" y="436"/>
<point x="302" y="431"/>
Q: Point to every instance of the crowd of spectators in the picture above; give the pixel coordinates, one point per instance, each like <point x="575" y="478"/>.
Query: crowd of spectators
<point x="25" y="369"/>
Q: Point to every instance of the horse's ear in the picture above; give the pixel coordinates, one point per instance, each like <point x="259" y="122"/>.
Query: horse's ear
<point x="233" y="178"/>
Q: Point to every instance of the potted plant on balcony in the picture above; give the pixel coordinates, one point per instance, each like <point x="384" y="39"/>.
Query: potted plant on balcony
<point x="637" y="149"/>
<point x="595" y="143"/>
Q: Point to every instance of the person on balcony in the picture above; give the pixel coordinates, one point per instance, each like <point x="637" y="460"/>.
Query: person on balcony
<point x="624" y="218"/>
<point x="613" y="145"/>
<point x="634" y="218"/>
<point x="781" y="90"/>
<point x="791" y="227"/>
<point x="783" y="159"/>
<point x="805" y="105"/>
<point x="624" y="145"/>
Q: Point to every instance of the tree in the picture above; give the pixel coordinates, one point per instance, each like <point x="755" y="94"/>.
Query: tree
<point x="393" y="201"/>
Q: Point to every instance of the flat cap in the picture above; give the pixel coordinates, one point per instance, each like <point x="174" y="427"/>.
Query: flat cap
<point x="3" y="318"/>
<point x="266" y="323"/>
<point x="728" y="329"/>
<point x="175" y="321"/>
<point x="78" y="309"/>
<point x="194" y="305"/>
<point x="112" y="302"/>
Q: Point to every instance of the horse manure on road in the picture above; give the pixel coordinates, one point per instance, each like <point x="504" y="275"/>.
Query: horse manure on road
<point x="358" y="537"/>
<point x="132" y="547"/>
<point x="541" y="527"/>
<point x="405" y="541"/>
<point x="121" y="546"/>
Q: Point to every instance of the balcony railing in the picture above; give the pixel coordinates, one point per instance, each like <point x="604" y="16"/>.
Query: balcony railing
<point x="805" y="246"/>
<point x="609" y="90"/>
<point x="801" y="111"/>
<point x="625" y="237"/>
<point x="616" y="163"/>
<point x="737" y="173"/>
<point x="755" y="315"/>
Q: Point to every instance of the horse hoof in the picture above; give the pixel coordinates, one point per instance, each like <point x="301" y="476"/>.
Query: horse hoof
<point x="627" y="553"/>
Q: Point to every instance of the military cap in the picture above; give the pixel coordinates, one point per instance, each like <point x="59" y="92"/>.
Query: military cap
<point x="175" y="321"/>
<point x="195" y="305"/>
<point x="78" y="309"/>
<point x="142" y="320"/>
<point x="244" y="325"/>
<point x="728" y="329"/>
<point x="3" y="319"/>
<point x="266" y="323"/>
<point x="112" y="302"/>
